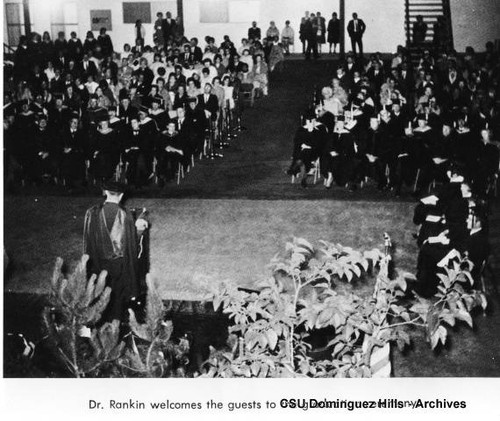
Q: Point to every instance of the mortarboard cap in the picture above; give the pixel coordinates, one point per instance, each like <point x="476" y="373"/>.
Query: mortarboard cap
<point x="114" y="186"/>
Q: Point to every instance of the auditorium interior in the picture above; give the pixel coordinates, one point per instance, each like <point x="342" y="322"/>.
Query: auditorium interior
<point x="257" y="135"/>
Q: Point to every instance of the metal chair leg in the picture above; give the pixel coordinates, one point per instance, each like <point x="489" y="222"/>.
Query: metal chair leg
<point x="416" y="180"/>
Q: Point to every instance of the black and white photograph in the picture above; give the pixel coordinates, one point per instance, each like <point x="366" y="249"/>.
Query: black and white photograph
<point x="251" y="189"/>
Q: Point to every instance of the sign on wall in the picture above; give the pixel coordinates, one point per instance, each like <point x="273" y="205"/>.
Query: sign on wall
<point x="100" y="19"/>
<point x="134" y="11"/>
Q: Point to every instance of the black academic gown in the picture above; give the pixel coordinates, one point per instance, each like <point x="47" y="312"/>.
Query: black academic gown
<point x="114" y="249"/>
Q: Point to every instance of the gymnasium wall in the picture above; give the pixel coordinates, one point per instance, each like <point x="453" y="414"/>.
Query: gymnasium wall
<point x="384" y="18"/>
<point x="474" y="21"/>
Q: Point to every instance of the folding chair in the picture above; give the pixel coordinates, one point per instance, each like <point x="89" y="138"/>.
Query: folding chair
<point x="180" y="173"/>
<point x="249" y="95"/>
<point x="416" y="180"/>
<point x="315" y="171"/>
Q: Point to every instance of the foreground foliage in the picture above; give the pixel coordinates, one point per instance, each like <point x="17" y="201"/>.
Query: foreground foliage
<point x="88" y="348"/>
<point x="273" y="326"/>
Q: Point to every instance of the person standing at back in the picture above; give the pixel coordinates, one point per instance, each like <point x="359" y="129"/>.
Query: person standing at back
<point x="311" y="37"/>
<point x="333" y="32"/>
<point x="419" y="30"/>
<point x="254" y="32"/>
<point x="303" y="33"/>
<point x="140" y="32"/>
<point x="356" y="28"/>
<point x="104" y="41"/>
<point x="158" y="34"/>
<point x="287" y="37"/>
<point x="321" y="30"/>
<point x="168" y="27"/>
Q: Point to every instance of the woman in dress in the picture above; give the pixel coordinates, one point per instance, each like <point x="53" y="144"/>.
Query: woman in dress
<point x="333" y="32"/>
<point x="47" y="48"/>
<point x="90" y="43"/>
<point x="192" y="90"/>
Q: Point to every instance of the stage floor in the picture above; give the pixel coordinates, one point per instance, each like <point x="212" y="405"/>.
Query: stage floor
<point x="196" y="244"/>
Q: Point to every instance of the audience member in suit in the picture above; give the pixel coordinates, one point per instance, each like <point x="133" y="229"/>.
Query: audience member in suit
<point x="197" y="53"/>
<point x="187" y="57"/>
<point x="168" y="27"/>
<point x="72" y="153"/>
<point x="146" y="72"/>
<point x="42" y="151"/>
<point x="356" y="28"/>
<point x="487" y="163"/>
<point x="208" y="102"/>
<point x="376" y="76"/>
<point x="254" y="32"/>
<point x="88" y="67"/>
<point x="311" y="39"/>
<point x="419" y="30"/>
<point x="138" y="153"/>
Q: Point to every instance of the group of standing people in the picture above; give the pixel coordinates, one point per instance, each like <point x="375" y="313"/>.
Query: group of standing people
<point x="166" y="29"/>
<point x="314" y="32"/>
<point x="440" y="32"/>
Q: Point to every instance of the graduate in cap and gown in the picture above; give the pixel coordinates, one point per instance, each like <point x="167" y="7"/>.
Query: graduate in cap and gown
<point x="111" y="238"/>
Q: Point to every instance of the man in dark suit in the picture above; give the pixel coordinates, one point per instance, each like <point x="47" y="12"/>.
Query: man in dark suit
<point x="146" y="72"/>
<point x="137" y="152"/>
<point x="72" y="152"/>
<point x="351" y="66"/>
<point x="88" y="67"/>
<point x="254" y="32"/>
<point x="356" y="29"/>
<point x="187" y="56"/>
<point x="195" y="50"/>
<point x="208" y="102"/>
<point x="311" y="37"/>
<point x="168" y="27"/>
<point x="405" y="80"/>
<point x="376" y="76"/>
